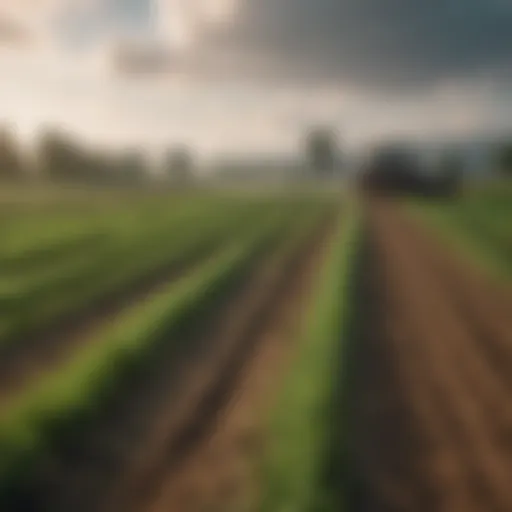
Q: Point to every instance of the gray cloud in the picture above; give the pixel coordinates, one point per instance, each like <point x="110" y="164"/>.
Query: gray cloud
<point x="131" y="58"/>
<point x="375" y="43"/>
<point x="388" y="45"/>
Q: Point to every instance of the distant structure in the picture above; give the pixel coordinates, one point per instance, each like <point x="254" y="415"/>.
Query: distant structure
<point x="322" y="152"/>
<point x="397" y="169"/>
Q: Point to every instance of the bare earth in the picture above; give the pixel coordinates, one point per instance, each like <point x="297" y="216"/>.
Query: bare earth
<point x="433" y="391"/>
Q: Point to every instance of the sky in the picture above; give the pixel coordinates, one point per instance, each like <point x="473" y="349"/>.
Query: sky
<point x="252" y="75"/>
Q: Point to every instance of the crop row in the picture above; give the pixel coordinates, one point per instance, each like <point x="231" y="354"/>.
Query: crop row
<point x="89" y="277"/>
<point x="65" y="401"/>
<point x="300" y="430"/>
<point x="47" y="241"/>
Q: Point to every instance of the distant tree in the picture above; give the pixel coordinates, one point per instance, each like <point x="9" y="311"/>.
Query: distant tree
<point x="60" y="157"/>
<point x="95" y="166"/>
<point x="321" y="151"/>
<point x="133" y="167"/>
<point x="11" y="165"/>
<point x="179" y="165"/>
<point x="504" y="158"/>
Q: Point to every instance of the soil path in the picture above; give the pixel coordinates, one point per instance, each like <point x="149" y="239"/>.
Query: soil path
<point x="434" y="410"/>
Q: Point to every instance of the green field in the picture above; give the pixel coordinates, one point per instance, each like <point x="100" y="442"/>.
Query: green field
<point x="177" y="259"/>
<point x="100" y="289"/>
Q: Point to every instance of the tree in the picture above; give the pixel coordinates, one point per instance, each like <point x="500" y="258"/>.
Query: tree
<point x="179" y="165"/>
<point x="60" y="157"/>
<point x="321" y="151"/>
<point x="11" y="166"/>
<point x="504" y="158"/>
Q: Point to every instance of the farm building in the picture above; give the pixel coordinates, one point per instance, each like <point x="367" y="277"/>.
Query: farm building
<point x="398" y="169"/>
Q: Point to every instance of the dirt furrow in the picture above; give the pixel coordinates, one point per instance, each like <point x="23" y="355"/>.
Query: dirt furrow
<point x="486" y="307"/>
<point x="449" y="346"/>
<point x="449" y="372"/>
<point x="433" y="475"/>
<point x="458" y="467"/>
<point x="219" y="473"/>
<point x="441" y="469"/>
<point x="486" y="354"/>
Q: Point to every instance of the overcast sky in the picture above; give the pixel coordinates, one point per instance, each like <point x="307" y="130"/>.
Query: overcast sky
<point x="251" y="75"/>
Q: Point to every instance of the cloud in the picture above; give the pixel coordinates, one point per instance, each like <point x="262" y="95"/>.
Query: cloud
<point x="135" y="58"/>
<point x="374" y="45"/>
<point x="186" y="27"/>
<point x="377" y="43"/>
<point x="12" y="33"/>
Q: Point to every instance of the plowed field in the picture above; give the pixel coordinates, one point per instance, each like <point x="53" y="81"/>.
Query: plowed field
<point x="433" y="386"/>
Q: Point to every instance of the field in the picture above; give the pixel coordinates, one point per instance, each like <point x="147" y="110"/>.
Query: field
<point x="429" y="414"/>
<point x="127" y="322"/>
<point x="479" y="224"/>
<point x="231" y="351"/>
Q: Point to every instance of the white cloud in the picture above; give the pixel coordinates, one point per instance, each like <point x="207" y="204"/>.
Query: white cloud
<point x="184" y="22"/>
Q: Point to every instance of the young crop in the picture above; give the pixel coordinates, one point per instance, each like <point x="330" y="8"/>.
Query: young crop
<point x="299" y="431"/>
<point x="114" y="267"/>
<point x="37" y="419"/>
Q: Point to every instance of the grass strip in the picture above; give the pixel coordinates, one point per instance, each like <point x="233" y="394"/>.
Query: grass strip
<point x="292" y="471"/>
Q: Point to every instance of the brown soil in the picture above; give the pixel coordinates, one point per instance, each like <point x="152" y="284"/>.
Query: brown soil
<point x="219" y="473"/>
<point x="26" y="360"/>
<point x="150" y="437"/>
<point x="433" y="406"/>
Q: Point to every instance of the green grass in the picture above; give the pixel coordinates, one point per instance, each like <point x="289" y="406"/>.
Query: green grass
<point x="299" y="432"/>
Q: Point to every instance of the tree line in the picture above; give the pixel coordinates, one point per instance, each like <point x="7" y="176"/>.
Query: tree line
<point x="59" y="157"/>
